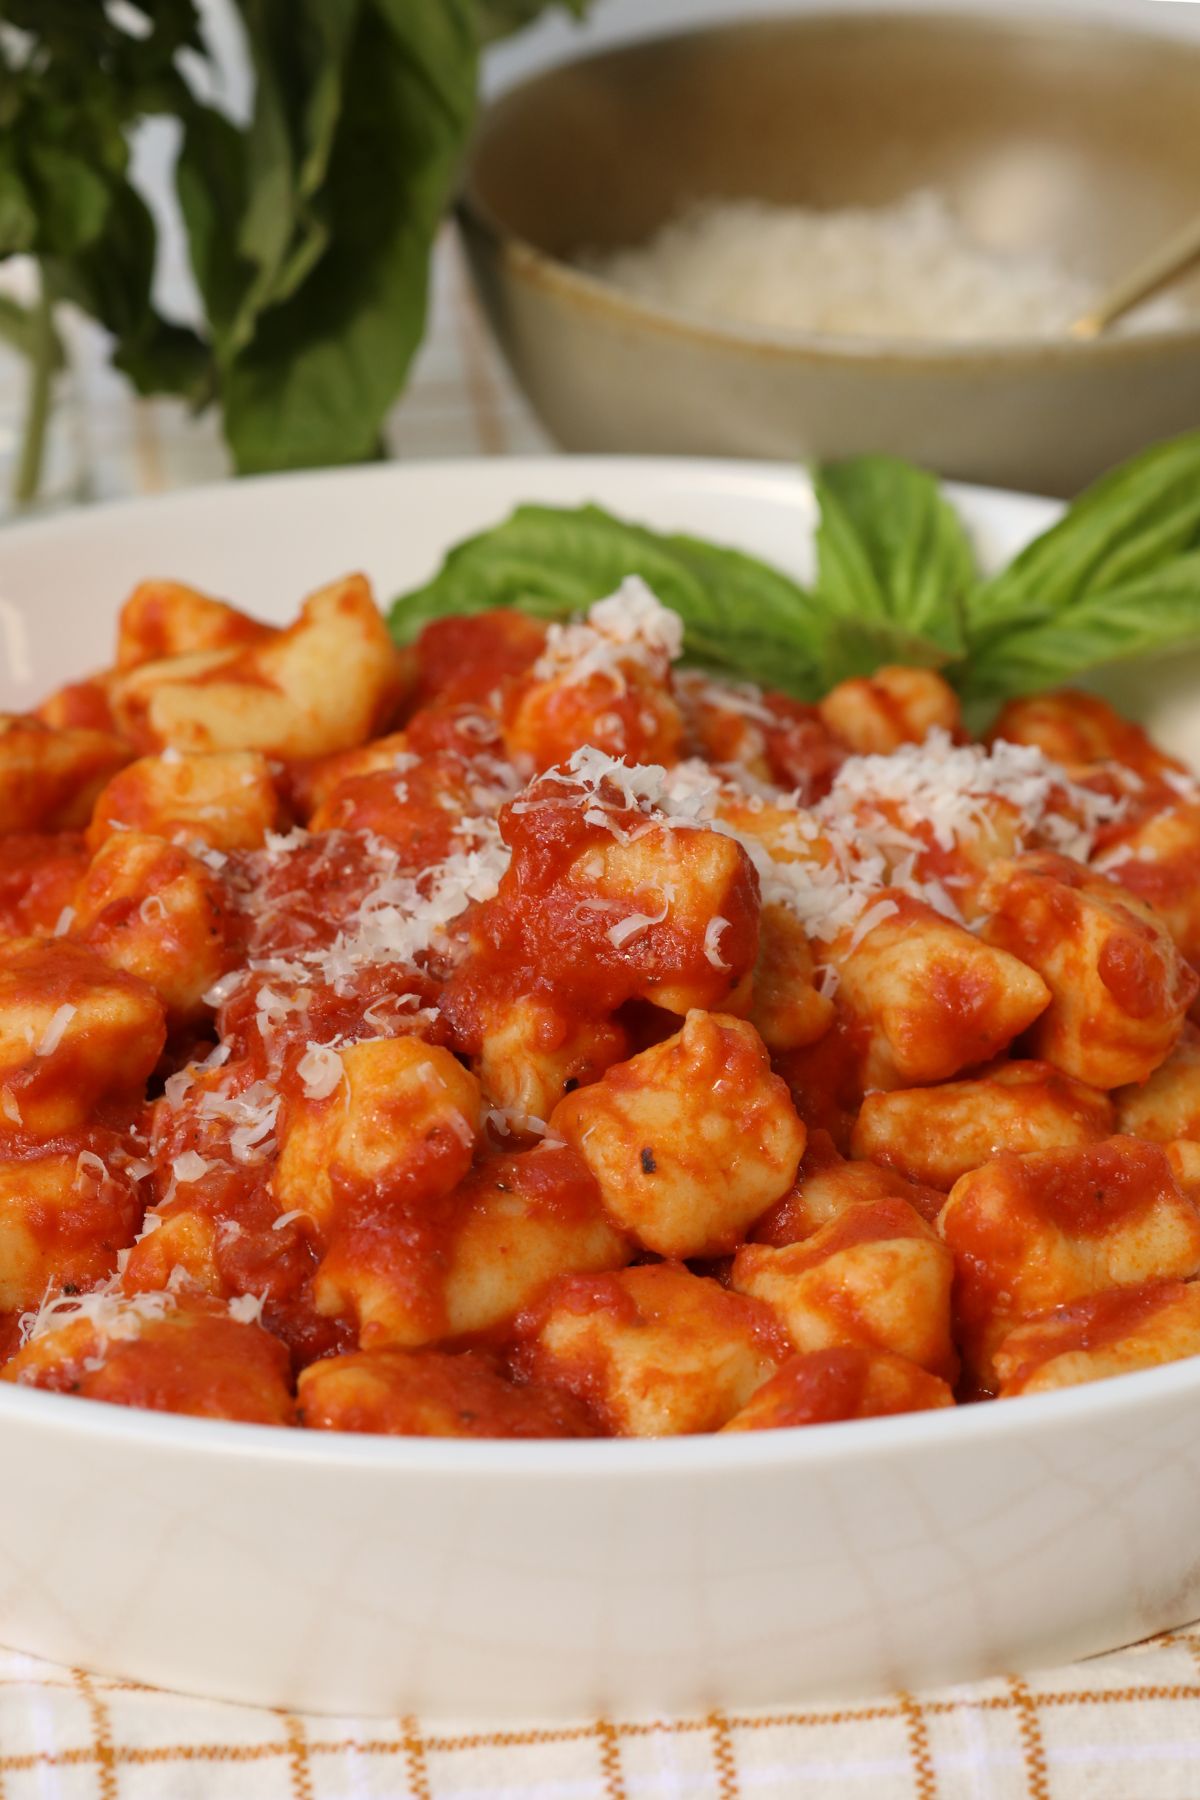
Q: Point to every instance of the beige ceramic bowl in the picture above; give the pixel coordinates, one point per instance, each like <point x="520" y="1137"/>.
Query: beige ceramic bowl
<point x="1074" y="137"/>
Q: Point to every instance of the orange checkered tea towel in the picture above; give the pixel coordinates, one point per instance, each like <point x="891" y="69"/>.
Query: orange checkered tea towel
<point x="1121" y="1727"/>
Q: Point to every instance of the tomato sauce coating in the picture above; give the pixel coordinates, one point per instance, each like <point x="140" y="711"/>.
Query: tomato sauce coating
<point x="518" y="1036"/>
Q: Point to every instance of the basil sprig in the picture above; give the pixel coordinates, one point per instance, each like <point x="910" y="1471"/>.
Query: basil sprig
<point x="1117" y="577"/>
<point x="309" y="226"/>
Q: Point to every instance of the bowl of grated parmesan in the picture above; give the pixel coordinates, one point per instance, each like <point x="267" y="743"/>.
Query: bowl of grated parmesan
<point x="829" y="233"/>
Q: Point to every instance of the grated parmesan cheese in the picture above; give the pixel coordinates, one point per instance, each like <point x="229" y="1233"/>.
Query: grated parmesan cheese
<point x="247" y="1308"/>
<point x="633" y="925"/>
<point x="403" y="916"/>
<point x="55" y="1031"/>
<point x="320" y="1069"/>
<point x="191" y="1166"/>
<point x="631" y="628"/>
<point x="114" y="1317"/>
<point x="745" y="698"/>
<point x="282" y="843"/>
<point x="252" y="1114"/>
<point x="224" y="988"/>
<point x="868" y="920"/>
<point x="910" y="269"/>
<point x="509" y="1119"/>
<point x="945" y="785"/>
<point x="712" y="941"/>
<point x="176" y="1086"/>
<point x="839" y="855"/>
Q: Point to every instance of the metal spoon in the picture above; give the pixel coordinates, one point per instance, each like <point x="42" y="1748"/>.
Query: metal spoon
<point x="1154" y="272"/>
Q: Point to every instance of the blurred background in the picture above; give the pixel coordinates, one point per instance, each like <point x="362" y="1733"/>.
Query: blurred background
<point x="940" y="190"/>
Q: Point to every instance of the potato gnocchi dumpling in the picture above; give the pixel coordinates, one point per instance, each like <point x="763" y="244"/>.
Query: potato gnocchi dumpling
<point x="934" y="1135"/>
<point x="520" y="1035"/>
<point x="1080" y="731"/>
<point x="654" y="1351"/>
<point x="1167" y="1105"/>
<point x="426" y="1393"/>
<point x="275" y="695"/>
<point x="1157" y="859"/>
<point x="477" y="1260"/>
<point x="822" y="1387"/>
<point x="827" y="1184"/>
<point x="1119" y="989"/>
<point x="185" y="1356"/>
<point x="162" y="619"/>
<point x="1032" y="1232"/>
<point x="892" y="707"/>
<point x="876" y="1276"/>
<point x="65" y="1215"/>
<point x="49" y="779"/>
<point x="392" y="1119"/>
<point x="155" y="911"/>
<point x="1110" y="1333"/>
<point x="601" y="682"/>
<point x="533" y="1053"/>
<point x="78" y="1038"/>
<point x="691" y="1140"/>
<point x="932" y="997"/>
<point x="784" y="1003"/>
<point x="225" y="800"/>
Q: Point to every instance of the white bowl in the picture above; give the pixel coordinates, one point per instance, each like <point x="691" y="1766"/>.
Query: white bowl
<point x="375" y="1575"/>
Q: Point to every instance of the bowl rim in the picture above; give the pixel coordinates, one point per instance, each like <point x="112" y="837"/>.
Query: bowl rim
<point x="527" y="260"/>
<point x="942" y="1431"/>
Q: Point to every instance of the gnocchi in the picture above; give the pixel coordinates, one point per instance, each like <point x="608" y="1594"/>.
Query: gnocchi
<point x="520" y="1036"/>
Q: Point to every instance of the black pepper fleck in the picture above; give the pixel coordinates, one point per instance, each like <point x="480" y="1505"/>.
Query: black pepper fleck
<point x="649" y="1166"/>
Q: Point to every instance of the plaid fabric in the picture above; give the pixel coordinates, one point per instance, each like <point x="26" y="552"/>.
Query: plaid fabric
<point x="1122" y="1727"/>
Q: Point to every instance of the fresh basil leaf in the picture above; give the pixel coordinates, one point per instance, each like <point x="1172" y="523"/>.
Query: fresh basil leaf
<point x="72" y="199"/>
<point x="1131" y="522"/>
<point x="300" y="50"/>
<point x="112" y="280"/>
<point x="1155" y="611"/>
<point x="210" y="181"/>
<point x="747" y="612"/>
<point x="892" y="555"/>
<point x="739" y="615"/>
<point x="163" y="358"/>
<point x="315" y="381"/>
<point x="548" y="561"/>
<point x="858" y="647"/>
